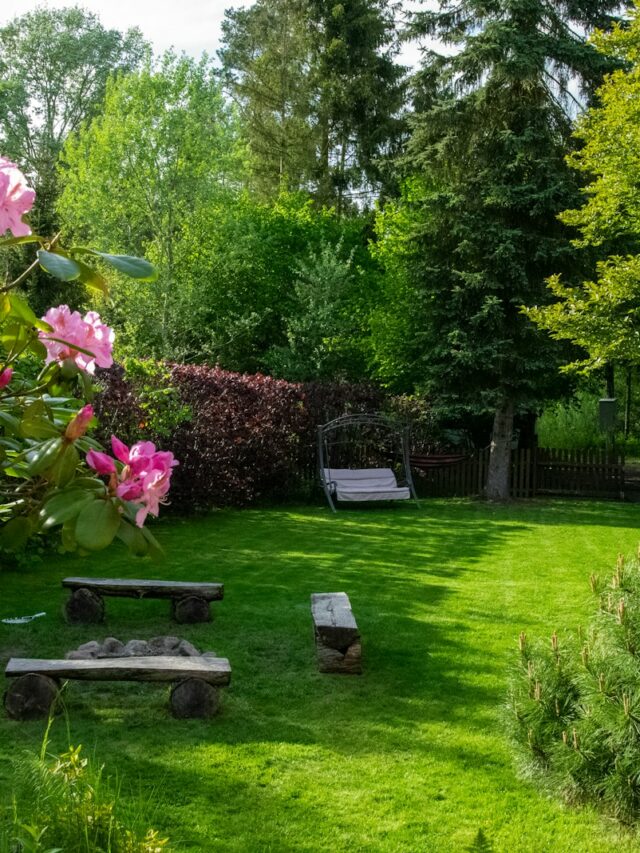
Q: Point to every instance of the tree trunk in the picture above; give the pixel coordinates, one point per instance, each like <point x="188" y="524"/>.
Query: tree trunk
<point x="500" y="457"/>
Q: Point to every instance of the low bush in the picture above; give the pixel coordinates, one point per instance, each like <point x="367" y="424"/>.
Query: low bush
<point x="574" y="703"/>
<point x="61" y="802"/>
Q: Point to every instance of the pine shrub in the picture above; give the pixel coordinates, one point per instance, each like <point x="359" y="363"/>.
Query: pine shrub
<point x="573" y="708"/>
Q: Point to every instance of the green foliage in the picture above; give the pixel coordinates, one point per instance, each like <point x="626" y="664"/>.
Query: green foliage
<point x="574" y="704"/>
<point x="54" y="67"/>
<point x="487" y="150"/>
<point x="156" y="396"/>
<point x="63" y="803"/>
<point x="602" y="314"/>
<point x="320" y="95"/>
<point x="571" y="425"/>
<point x="324" y="329"/>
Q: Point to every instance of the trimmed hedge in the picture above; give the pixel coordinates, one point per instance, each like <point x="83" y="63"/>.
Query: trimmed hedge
<point x="249" y="437"/>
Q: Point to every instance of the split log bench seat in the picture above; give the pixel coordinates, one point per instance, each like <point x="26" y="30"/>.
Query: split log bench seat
<point x="337" y="636"/>
<point x="34" y="691"/>
<point x="189" y="601"/>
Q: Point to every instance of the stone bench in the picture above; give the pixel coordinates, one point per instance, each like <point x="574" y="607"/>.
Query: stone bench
<point x="34" y="692"/>
<point x="337" y="636"/>
<point x="189" y="601"/>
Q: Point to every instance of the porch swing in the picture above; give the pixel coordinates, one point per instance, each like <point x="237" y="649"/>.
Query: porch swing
<point x="364" y="457"/>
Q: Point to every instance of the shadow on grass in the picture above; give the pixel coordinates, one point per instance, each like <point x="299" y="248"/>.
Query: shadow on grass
<point x="419" y="580"/>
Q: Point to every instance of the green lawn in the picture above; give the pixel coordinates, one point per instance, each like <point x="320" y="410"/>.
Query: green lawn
<point x="409" y="756"/>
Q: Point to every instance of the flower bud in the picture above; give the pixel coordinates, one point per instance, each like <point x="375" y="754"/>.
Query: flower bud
<point x="79" y="425"/>
<point x="5" y="377"/>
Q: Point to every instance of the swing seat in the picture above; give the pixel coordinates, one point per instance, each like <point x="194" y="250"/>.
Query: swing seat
<point x="365" y="484"/>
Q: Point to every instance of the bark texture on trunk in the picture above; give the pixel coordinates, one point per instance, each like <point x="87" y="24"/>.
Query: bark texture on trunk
<point x="500" y="457"/>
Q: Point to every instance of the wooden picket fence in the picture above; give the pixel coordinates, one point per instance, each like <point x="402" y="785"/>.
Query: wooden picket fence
<point x="540" y="471"/>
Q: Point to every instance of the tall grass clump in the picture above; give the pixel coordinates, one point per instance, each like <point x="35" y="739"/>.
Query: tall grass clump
<point x="63" y="803"/>
<point x="574" y="703"/>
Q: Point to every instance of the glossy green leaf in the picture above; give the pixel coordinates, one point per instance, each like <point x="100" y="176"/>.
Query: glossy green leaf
<point x="133" y="539"/>
<point x="43" y="456"/>
<point x="19" y="241"/>
<point x="137" y="268"/>
<point x="21" y="310"/>
<point x="64" y="506"/>
<point x="15" y="533"/>
<point x="97" y="525"/>
<point x="58" y="265"/>
<point x="155" y="550"/>
<point x="65" y="467"/>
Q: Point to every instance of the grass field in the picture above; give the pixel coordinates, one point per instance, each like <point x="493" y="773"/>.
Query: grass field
<point x="411" y="755"/>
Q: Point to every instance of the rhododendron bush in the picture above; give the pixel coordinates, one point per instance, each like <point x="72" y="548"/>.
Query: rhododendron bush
<point x="53" y="475"/>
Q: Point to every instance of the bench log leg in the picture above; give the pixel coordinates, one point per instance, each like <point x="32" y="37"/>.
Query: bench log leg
<point x="31" y="697"/>
<point x="193" y="697"/>
<point x="347" y="661"/>
<point x="190" y="608"/>
<point x="83" y="607"/>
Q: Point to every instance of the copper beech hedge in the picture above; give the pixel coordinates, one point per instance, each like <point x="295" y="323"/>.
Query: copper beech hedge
<point x="249" y="437"/>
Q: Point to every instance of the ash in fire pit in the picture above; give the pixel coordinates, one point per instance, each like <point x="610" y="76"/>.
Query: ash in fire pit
<point x="114" y="648"/>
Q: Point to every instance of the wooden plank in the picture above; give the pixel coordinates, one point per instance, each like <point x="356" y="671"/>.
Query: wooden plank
<point x="333" y="619"/>
<point x="136" y="588"/>
<point x="159" y="668"/>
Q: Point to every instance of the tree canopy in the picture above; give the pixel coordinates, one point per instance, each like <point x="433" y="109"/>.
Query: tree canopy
<point x="602" y="314"/>
<point x="489" y="139"/>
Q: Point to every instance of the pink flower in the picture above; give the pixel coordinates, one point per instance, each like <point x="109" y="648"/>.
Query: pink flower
<point x="144" y="479"/>
<point x="155" y="487"/>
<point x="77" y="427"/>
<point x="100" y="462"/>
<point x="5" y="377"/>
<point x="16" y="199"/>
<point x="88" y="333"/>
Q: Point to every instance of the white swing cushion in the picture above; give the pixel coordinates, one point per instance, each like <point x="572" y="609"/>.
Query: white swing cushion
<point x="365" y="484"/>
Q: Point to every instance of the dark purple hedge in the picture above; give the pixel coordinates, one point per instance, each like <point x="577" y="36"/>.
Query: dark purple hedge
<point x="249" y="436"/>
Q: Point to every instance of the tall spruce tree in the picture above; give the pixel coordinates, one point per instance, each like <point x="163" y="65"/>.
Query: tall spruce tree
<point x="489" y="141"/>
<point x="320" y="94"/>
<point x="266" y="56"/>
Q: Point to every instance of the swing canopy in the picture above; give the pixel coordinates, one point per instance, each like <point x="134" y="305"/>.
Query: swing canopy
<point x="364" y="457"/>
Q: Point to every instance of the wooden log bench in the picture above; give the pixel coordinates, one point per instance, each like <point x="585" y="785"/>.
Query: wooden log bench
<point x="189" y="601"/>
<point x="34" y="692"/>
<point x="337" y="636"/>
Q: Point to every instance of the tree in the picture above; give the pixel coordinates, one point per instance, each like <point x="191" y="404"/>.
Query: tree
<point x="319" y="92"/>
<point x="265" y="57"/>
<point x="602" y="315"/>
<point x="54" y="66"/>
<point x="164" y="146"/>
<point x="492" y="127"/>
<point x="361" y="97"/>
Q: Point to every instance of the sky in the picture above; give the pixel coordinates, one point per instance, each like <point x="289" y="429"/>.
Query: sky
<point x="192" y="26"/>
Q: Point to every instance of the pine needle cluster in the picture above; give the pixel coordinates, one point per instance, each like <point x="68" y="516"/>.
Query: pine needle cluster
<point x="573" y="708"/>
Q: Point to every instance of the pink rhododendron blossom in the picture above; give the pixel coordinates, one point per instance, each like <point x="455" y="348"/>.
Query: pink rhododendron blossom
<point x="100" y="462"/>
<point x="144" y="479"/>
<point x="88" y="333"/>
<point x="155" y="487"/>
<point x="5" y="377"/>
<point x="77" y="427"/>
<point x="16" y="199"/>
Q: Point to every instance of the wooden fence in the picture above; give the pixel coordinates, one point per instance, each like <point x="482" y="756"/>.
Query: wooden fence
<point x="540" y="471"/>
